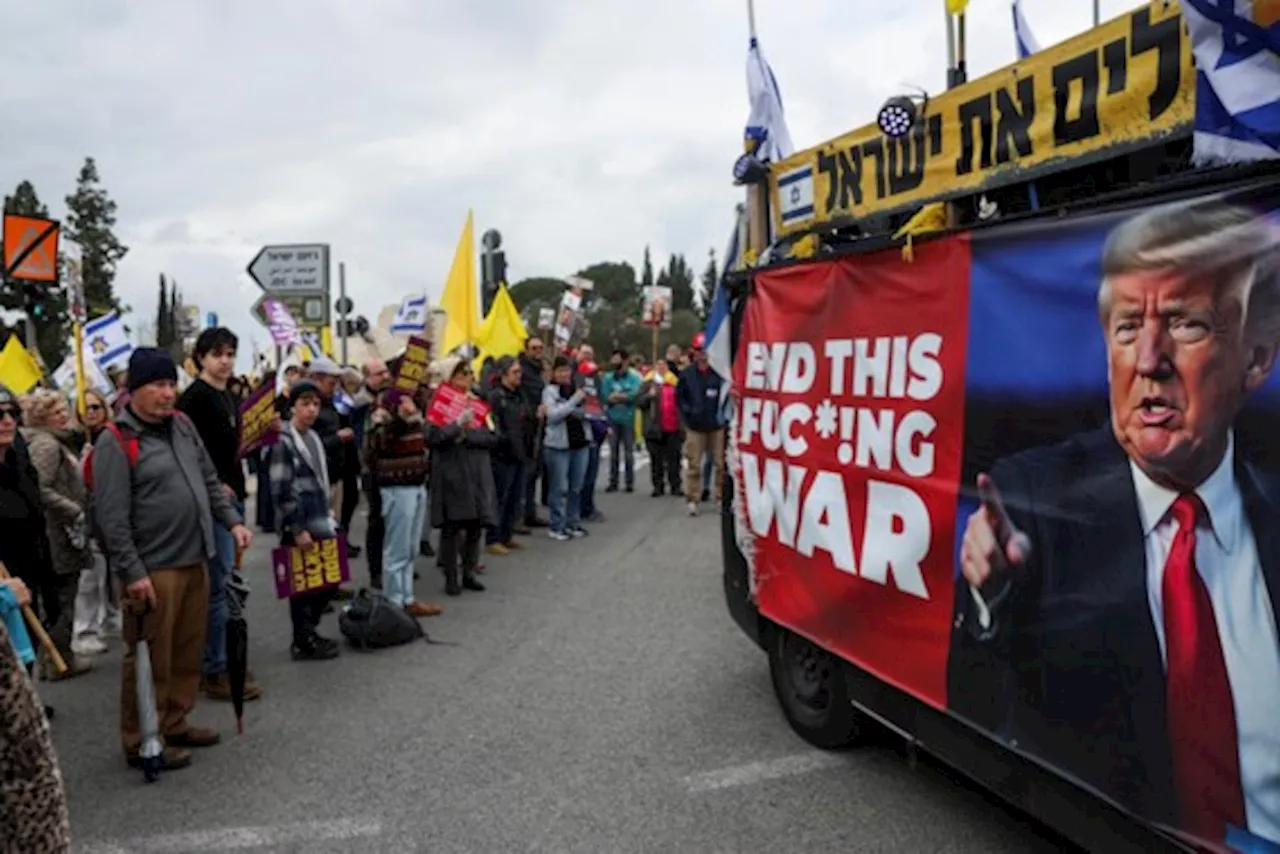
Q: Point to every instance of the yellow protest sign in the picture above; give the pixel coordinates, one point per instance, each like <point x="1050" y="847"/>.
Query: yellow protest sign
<point x="1119" y="87"/>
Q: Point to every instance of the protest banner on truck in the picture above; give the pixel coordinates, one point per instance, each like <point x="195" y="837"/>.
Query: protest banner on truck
<point x="958" y="474"/>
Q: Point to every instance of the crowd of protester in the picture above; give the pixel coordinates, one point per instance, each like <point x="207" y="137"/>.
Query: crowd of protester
<point x="127" y="518"/>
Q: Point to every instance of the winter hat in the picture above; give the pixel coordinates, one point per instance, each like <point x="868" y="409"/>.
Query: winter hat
<point x="303" y="387"/>
<point x="324" y="367"/>
<point x="150" y="365"/>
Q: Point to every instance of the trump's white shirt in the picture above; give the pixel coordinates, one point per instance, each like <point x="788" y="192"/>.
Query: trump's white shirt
<point x="1227" y="560"/>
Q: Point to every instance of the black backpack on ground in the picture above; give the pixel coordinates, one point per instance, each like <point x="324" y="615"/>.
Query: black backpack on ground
<point x="371" y="621"/>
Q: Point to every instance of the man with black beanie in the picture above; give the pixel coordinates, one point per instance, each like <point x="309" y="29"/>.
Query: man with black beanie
<point x="156" y="498"/>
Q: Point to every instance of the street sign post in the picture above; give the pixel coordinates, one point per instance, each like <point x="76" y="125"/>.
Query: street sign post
<point x="297" y="274"/>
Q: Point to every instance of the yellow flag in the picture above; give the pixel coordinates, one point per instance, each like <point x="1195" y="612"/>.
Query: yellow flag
<point x="503" y="332"/>
<point x="461" y="297"/>
<point x="957" y="7"/>
<point x="17" y="369"/>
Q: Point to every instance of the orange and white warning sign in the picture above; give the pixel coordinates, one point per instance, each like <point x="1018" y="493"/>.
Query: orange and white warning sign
<point x="31" y="248"/>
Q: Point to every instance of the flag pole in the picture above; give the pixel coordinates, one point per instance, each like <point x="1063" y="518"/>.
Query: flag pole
<point x="1097" y="12"/>
<point x="951" y="48"/>
<point x="77" y="329"/>
<point x="751" y="19"/>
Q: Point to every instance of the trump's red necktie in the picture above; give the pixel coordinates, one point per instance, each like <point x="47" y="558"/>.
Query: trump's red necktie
<point x="1202" y="718"/>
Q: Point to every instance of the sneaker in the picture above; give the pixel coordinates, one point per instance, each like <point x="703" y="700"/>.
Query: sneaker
<point x="559" y="536"/>
<point x="88" y="646"/>
<point x="193" y="737"/>
<point x="423" y="609"/>
<point x="172" y="759"/>
<point x="319" y="649"/>
<point x="496" y="549"/>
<point x="219" y="688"/>
<point x="578" y="532"/>
<point x="693" y="508"/>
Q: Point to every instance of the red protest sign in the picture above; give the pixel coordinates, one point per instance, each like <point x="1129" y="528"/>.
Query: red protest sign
<point x="850" y="429"/>
<point x="256" y="414"/>
<point x="319" y="566"/>
<point x="448" y="404"/>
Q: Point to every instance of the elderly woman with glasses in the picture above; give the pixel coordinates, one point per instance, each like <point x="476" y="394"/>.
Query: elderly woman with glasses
<point x="51" y="440"/>
<point x="97" y="611"/>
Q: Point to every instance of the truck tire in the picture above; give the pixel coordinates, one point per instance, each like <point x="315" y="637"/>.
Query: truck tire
<point x="811" y="688"/>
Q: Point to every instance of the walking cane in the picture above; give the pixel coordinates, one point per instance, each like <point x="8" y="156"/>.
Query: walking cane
<point x="33" y="622"/>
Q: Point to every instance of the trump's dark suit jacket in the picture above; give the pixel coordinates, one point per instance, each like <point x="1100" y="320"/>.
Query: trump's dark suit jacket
<point x="1070" y="669"/>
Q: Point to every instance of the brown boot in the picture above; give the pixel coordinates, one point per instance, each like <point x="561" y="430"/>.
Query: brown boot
<point x="172" y="759"/>
<point x="219" y="687"/>
<point x="423" y="609"/>
<point x="193" y="737"/>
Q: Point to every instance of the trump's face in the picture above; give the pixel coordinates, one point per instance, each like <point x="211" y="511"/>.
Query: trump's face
<point x="1179" y="372"/>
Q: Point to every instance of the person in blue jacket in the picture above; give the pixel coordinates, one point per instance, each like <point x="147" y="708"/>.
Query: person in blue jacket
<point x="698" y="394"/>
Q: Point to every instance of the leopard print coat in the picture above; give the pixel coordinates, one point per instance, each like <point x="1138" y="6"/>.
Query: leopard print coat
<point x="33" y="805"/>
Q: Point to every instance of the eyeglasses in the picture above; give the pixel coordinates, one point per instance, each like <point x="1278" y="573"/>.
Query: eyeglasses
<point x="10" y="412"/>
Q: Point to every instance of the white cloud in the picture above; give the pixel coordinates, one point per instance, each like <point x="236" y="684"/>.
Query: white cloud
<point x="581" y="130"/>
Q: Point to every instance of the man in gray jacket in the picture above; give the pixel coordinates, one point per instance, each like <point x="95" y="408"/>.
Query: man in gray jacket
<point x="156" y="496"/>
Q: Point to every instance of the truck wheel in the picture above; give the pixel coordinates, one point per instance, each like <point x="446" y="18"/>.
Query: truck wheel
<point x="812" y="691"/>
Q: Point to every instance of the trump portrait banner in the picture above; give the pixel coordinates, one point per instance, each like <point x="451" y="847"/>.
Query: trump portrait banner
<point x="1032" y="478"/>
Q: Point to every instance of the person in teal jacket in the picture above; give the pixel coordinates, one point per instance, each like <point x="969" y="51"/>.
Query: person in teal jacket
<point x="620" y="389"/>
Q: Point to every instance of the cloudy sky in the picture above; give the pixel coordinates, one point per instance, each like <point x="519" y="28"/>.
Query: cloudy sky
<point x="581" y="129"/>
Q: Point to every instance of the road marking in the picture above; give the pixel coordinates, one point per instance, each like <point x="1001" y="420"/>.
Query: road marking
<point x="758" y="772"/>
<point x="239" y="838"/>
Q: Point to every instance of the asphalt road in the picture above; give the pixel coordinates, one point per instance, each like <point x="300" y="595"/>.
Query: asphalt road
<point x="598" y="699"/>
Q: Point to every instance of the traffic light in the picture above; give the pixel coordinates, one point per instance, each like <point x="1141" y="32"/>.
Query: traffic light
<point x="352" y="328"/>
<point x="34" y="296"/>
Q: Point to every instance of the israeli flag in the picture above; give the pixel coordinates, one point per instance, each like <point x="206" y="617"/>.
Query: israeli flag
<point x="766" y="137"/>
<point x="107" y="341"/>
<point x="1022" y="35"/>
<point x="1236" y="46"/>
<point x="311" y="342"/>
<point x="717" y="332"/>
<point x="411" y="316"/>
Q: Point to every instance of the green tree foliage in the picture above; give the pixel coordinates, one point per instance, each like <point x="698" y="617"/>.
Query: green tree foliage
<point x="679" y="277"/>
<point x="613" y="307"/>
<point x="164" y="321"/>
<point x="706" y="288"/>
<point x="646" y="270"/>
<point x="46" y="303"/>
<point x="91" y="219"/>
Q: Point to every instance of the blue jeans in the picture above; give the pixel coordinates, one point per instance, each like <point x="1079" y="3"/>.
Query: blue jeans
<point x="508" y="487"/>
<point x="402" y="512"/>
<point x="220" y="568"/>
<point x="589" y="478"/>
<point x="622" y="449"/>
<point x="566" y="470"/>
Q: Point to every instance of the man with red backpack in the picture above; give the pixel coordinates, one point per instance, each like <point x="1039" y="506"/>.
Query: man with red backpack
<point x="156" y="497"/>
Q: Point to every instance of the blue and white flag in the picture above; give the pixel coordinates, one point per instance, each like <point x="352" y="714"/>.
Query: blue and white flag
<point x="766" y="136"/>
<point x="411" y="316"/>
<point x="107" y="341"/>
<point x="311" y="342"/>
<point x="1023" y="38"/>
<point x="1236" y="47"/>
<point x="737" y="240"/>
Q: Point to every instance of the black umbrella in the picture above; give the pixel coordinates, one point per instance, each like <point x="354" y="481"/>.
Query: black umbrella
<point x="151" y="752"/>
<point x="237" y="643"/>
